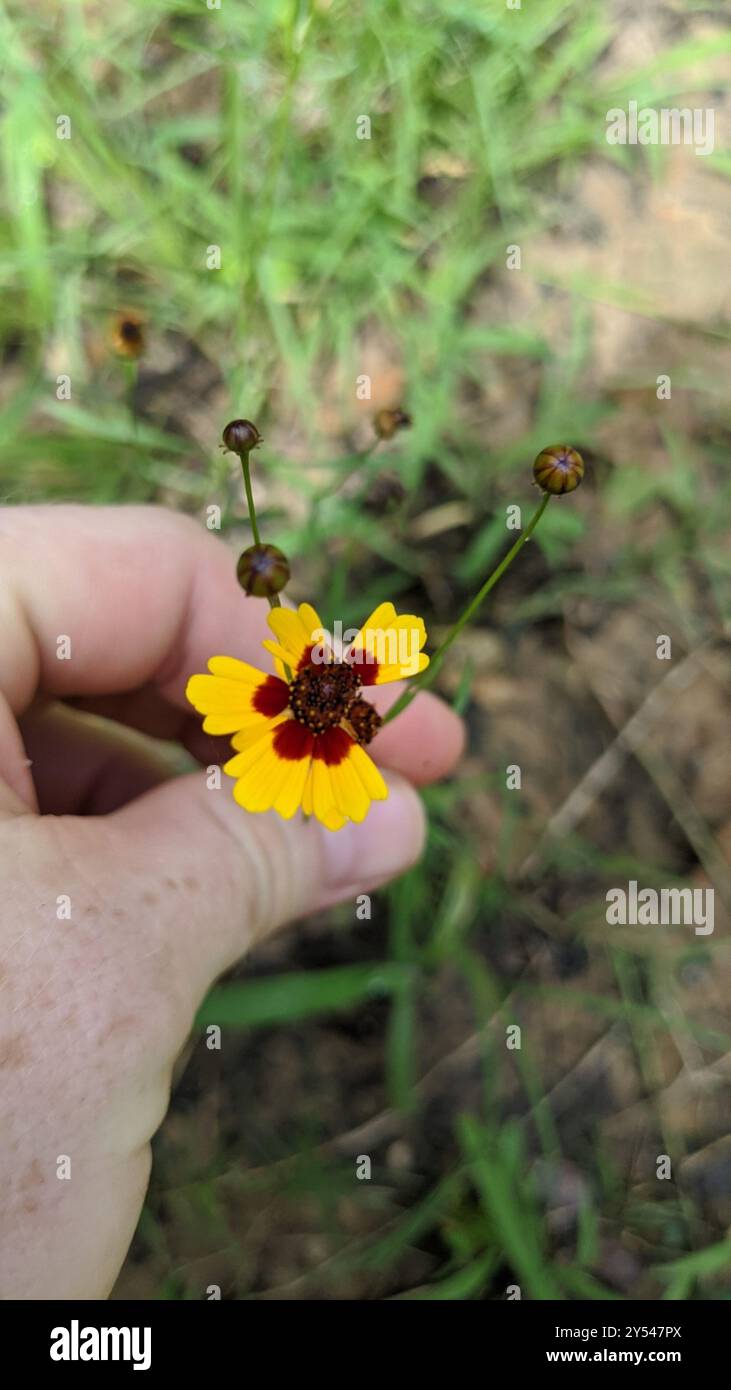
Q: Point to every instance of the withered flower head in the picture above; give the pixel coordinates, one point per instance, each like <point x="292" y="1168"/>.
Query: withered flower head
<point x="387" y="422"/>
<point x="558" y="469"/>
<point x="128" y="334"/>
<point x="364" y="720"/>
<point x="262" y="570"/>
<point x="240" y="437"/>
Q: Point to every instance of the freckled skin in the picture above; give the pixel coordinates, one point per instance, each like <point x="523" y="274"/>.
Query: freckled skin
<point x="13" y="1052"/>
<point x="99" y="999"/>
<point x="97" y="1007"/>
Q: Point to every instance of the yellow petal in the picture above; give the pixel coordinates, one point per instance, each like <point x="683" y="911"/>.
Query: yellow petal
<point x="233" y="720"/>
<point x="214" y="694"/>
<point x="261" y="784"/>
<point x="250" y="757"/>
<point x="322" y="794"/>
<point x="288" y="631"/>
<point x="311" y="621"/>
<point x="291" y="793"/>
<point x="307" y="792"/>
<point x="351" y="796"/>
<point x="323" y="799"/>
<point x="277" y="650"/>
<point x="323" y="805"/>
<point x="295" y="631"/>
<point x="227" y="703"/>
<point x="408" y="622"/>
<point x="228" y="723"/>
<point x="395" y="641"/>
<point x="368" y="773"/>
<point x="381" y="617"/>
<point x="401" y="672"/>
<point x="234" y="669"/>
<point x="245" y="738"/>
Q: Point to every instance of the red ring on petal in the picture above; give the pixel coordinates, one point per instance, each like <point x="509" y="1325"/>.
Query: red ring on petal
<point x="292" y="741"/>
<point x="366" y="666"/>
<point x="332" y="747"/>
<point x="306" y="657"/>
<point x="271" y="697"/>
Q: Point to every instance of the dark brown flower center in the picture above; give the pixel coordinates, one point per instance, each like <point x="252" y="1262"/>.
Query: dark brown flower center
<point x="131" y="332"/>
<point x="364" y="720"/>
<point x="320" y="696"/>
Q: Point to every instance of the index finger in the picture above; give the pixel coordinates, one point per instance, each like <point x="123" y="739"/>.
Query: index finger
<point x="99" y="600"/>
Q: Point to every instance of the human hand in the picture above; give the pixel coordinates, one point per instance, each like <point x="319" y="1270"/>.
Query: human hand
<point x="127" y="891"/>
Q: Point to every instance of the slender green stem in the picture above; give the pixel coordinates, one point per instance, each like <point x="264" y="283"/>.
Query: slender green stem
<point x="274" y="601"/>
<point x="434" y="666"/>
<point x="131" y="371"/>
<point x="250" y="498"/>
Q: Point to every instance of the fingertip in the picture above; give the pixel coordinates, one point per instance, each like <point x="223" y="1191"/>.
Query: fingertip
<point x="385" y="845"/>
<point x="245" y="874"/>
<point x="423" y="743"/>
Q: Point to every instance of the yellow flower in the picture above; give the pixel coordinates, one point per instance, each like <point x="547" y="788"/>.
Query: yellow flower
<point x="298" y="735"/>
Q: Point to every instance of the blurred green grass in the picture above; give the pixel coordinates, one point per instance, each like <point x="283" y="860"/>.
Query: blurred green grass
<point x="236" y="128"/>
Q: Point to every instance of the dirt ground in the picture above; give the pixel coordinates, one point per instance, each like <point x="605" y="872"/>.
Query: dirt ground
<point x="621" y="752"/>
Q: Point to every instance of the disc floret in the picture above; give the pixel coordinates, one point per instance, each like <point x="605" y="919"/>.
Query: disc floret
<point x="321" y="696"/>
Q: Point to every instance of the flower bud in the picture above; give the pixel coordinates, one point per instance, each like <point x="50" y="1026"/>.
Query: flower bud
<point x="559" y="468"/>
<point x="262" y="570"/>
<point x="128" y="334"/>
<point x="364" y="719"/>
<point x="387" y="422"/>
<point x="240" y="437"/>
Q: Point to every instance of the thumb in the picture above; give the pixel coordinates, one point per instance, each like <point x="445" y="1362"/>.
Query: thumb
<point x="230" y="877"/>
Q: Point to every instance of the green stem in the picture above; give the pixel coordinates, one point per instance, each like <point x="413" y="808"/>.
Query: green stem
<point x="250" y="498"/>
<point x="274" y="601"/>
<point x="131" y="369"/>
<point x="432" y="670"/>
